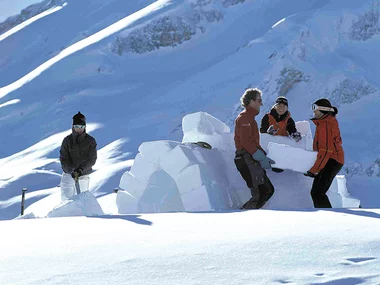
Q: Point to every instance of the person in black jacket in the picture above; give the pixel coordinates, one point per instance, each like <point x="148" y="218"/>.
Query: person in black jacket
<point x="278" y="121"/>
<point x="78" y="155"/>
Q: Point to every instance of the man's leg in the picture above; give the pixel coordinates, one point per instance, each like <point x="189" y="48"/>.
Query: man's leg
<point x="266" y="191"/>
<point x="322" y="183"/>
<point x="252" y="173"/>
<point x="67" y="187"/>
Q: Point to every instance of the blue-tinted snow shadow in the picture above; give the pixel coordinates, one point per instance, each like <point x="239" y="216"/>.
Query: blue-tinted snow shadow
<point x="357" y="212"/>
<point x="130" y="218"/>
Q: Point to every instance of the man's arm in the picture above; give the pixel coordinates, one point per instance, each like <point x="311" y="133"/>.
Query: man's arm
<point x="291" y="126"/>
<point x="92" y="156"/>
<point x="64" y="157"/>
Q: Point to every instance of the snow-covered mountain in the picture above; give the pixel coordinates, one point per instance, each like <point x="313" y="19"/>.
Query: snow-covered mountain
<point x="135" y="68"/>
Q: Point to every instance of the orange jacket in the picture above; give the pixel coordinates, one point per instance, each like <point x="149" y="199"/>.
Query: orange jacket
<point x="281" y="126"/>
<point x="327" y="142"/>
<point x="246" y="131"/>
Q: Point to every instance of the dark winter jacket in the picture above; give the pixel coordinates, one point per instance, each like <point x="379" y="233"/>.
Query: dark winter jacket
<point x="246" y="131"/>
<point x="78" y="151"/>
<point x="290" y="125"/>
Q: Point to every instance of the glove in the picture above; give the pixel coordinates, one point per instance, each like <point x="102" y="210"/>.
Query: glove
<point x="265" y="161"/>
<point x="296" y="136"/>
<point x="277" y="170"/>
<point x="310" y="174"/>
<point x="271" y="130"/>
<point x="77" y="173"/>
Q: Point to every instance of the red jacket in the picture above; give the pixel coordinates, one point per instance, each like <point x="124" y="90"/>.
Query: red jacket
<point x="246" y="131"/>
<point x="327" y="142"/>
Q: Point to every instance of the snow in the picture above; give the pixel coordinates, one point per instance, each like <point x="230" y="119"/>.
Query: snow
<point x="336" y="246"/>
<point x="136" y="100"/>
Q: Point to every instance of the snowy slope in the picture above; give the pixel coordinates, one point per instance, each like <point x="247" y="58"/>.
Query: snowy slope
<point x="135" y="68"/>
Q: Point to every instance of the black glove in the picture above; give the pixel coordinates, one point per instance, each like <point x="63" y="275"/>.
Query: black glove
<point x="271" y="130"/>
<point x="296" y="136"/>
<point x="277" y="170"/>
<point x="77" y="173"/>
<point x="310" y="174"/>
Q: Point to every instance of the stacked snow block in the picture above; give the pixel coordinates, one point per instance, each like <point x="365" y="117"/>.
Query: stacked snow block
<point x="305" y="143"/>
<point x="169" y="176"/>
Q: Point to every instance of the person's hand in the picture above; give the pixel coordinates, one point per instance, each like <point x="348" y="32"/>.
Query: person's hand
<point x="266" y="163"/>
<point x="310" y="174"/>
<point x="296" y="136"/>
<point x="271" y="130"/>
<point x="77" y="173"/>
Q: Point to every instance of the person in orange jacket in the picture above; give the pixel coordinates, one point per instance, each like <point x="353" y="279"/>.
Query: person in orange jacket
<point x="330" y="157"/>
<point x="250" y="158"/>
<point x="279" y="122"/>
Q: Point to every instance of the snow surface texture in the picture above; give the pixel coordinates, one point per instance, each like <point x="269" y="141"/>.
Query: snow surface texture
<point x="170" y="176"/>
<point x="303" y="247"/>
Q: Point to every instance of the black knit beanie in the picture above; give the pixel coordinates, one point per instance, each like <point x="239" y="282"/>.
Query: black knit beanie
<point x="79" y="119"/>
<point x="282" y="100"/>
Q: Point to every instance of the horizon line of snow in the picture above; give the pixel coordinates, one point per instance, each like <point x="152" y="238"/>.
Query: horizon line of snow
<point x="116" y="27"/>
<point x="30" y="21"/>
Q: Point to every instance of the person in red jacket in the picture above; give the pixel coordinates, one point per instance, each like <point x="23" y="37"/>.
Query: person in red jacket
<point x="330" y="157"/>
<point x="250" y="158"/>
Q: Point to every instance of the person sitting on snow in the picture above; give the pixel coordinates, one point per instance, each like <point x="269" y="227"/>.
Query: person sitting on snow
<point x="78" y="155"/>
<point x="278" y="121"/>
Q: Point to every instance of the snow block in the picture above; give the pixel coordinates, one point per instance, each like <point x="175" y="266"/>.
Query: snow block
<point x="196" y="200"/>
<point x="339" y="196"/>
<point x="131" y="184"/>
<point x="142" y="168"/>
<point x="199" y="177"/>
<point x="203" y="123"/>
<point x="287" y="157"/>
<point x="126" y="203"/>
<point x="84" y="204"/>
<point x="265" y="139"/>
<point x="303" y="127"/>
<point x="177" y="159"/>
<point x="154" y="150"/>
<point x="160" y="195"/>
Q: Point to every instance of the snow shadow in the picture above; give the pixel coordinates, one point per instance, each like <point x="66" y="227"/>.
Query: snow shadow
<point x="362" y="213"/>
<point x="130" y="218"/>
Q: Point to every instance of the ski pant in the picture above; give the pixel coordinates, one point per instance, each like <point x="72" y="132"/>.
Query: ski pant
<point x="68" y="188"/>
<point x="256" y="179"/>
<point x="322" y="183"/>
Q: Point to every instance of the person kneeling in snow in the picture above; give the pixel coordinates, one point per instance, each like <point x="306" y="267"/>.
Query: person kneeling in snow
<point x="250" y="158"/>
<point x="330" y="157"/>
<point x="278" y="122"/>
<point x="77" y="155"/>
